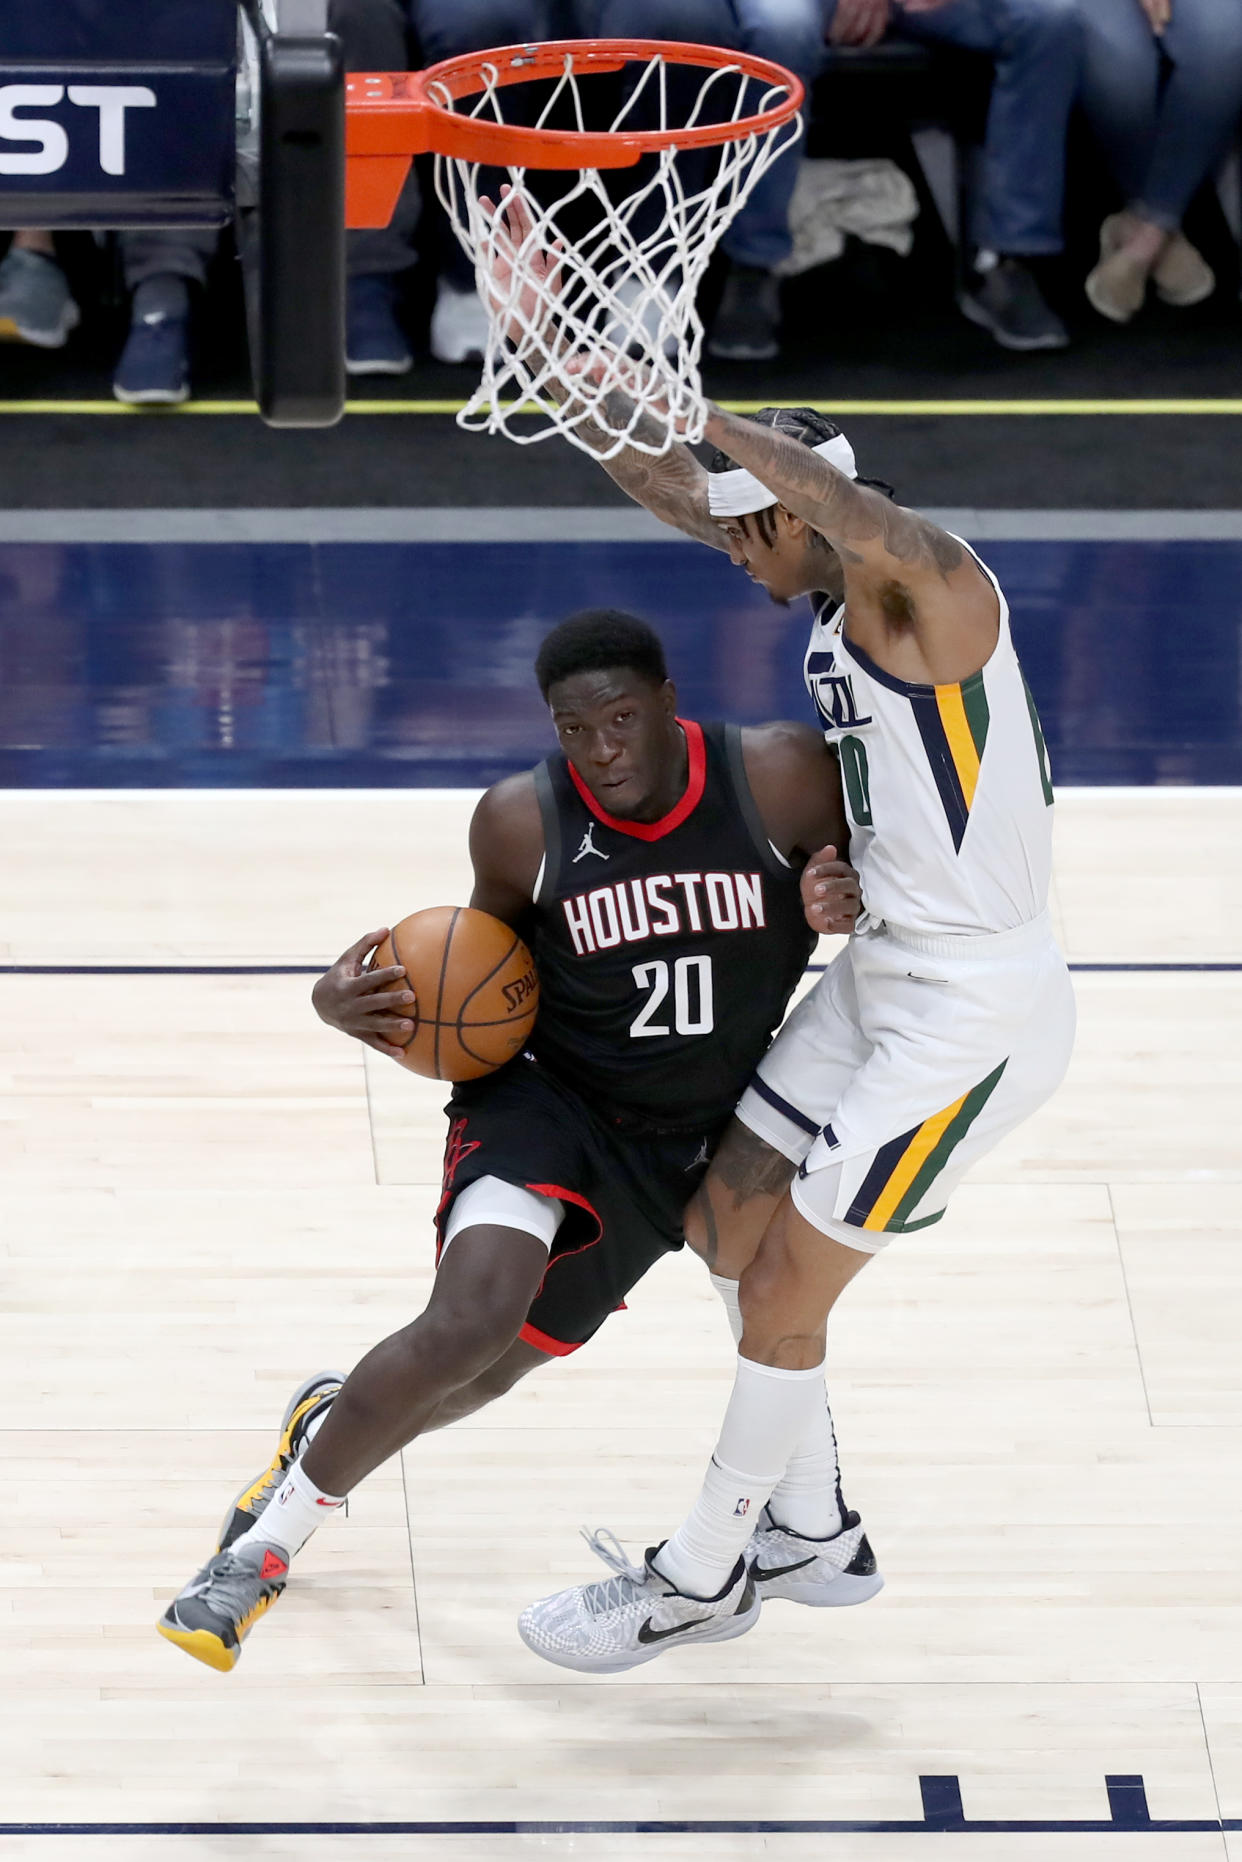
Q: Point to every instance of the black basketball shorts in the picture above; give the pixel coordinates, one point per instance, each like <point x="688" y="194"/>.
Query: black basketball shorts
<point x="624" y="1189"/>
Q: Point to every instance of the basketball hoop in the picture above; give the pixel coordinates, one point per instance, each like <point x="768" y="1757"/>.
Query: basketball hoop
<point x="590" y="286"/>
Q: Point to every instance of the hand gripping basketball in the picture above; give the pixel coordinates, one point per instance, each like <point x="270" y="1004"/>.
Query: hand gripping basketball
<point x="451" y="993"/>
<point x="373" y="1005"/>
<point x="475" y="988"/>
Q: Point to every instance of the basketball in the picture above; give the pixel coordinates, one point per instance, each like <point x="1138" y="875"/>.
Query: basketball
<point x="475" y="986"/>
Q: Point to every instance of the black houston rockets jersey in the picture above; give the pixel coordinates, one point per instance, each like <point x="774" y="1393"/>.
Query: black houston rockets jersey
<point x="947" y="787"/>
<point x="666" y="950"/>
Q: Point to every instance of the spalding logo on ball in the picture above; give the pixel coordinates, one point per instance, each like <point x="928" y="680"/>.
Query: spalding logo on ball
<point x="476" y="992"/>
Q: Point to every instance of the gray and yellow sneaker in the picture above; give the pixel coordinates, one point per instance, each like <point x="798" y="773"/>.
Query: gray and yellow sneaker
<point x="632" y="1616"/>
<point x="215" y="1612"/>
<point x="36" y="304"/>
<point x="307" y="1404"/>
<point x="826" y="1573"/>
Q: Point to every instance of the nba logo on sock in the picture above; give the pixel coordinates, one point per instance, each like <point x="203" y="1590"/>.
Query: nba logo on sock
<point x="741" y="1509"/>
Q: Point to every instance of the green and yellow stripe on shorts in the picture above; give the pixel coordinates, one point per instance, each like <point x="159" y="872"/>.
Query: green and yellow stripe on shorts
<point x="905" y="1168"/>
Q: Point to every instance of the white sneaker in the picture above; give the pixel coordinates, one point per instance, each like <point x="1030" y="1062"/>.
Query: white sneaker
<point x="458" y="325"/>
<point x="633" y="1616"/>
<point x="822" y="1572"/>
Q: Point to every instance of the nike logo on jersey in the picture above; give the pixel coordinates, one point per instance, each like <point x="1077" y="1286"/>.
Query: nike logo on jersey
<point x="663" y="905"/>
<point x="588" y="846"/>
<point x="647" y="1634"/>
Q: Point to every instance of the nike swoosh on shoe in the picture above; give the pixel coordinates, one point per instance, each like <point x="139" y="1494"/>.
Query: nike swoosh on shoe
<point x="761" y="1573"/>
<point x="647" y="1634"/>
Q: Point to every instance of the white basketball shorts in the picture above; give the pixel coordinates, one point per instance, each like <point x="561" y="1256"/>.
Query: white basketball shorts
<point x="910" y="1059"/>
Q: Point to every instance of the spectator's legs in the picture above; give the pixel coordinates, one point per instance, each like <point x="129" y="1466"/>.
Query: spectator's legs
<point x="446" y="29"/>
<point x="36" y="305"/>
<point x="160" y="266"/>
<point x="1037" y="48"/>
<point x="792" y="33"/>
<point x="1163" y="111"/>
<point x="374" y="37"/>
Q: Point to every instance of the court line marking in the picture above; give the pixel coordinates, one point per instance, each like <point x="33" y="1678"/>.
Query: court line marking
<point x="901" y="408"/>
<point x="317" y="969"/>
<point x="576" y="524"/>
<point x="794" y="1827"/>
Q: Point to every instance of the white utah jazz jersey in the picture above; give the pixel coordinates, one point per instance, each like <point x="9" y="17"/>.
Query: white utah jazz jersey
<point x="947" y="787"/>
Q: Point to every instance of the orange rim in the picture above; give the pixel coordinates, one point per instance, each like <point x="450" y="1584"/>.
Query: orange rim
<point x="392" y="116"/>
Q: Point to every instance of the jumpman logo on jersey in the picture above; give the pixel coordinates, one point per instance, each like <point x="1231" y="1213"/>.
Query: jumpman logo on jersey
<point x="703" y="1157"/>
<point x="588" y="846"/>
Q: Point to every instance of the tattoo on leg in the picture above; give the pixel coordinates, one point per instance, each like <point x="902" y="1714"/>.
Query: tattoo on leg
<point x="748" y="1167"/>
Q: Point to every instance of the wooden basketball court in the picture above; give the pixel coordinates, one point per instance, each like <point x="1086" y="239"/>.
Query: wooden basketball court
<point x="208" y="1195"/>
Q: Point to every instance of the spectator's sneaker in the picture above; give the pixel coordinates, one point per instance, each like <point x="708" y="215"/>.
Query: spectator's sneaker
<point x="154" y="369"/>
<point x="213" y="1615"/>
<point x="458" y="325"/>
<point x="309" y="1401"/>
<point x="36" y="305"/>
<point x="821" y="1572"/>
<point x="1007" y="301"/>
<point x="748" y="319"/>
<point x="1182" y="276"/>
<point x="374" y="341"/>
<point x="633" y="1616"/>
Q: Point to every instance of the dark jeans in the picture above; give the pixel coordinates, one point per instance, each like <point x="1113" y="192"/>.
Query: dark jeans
<point x="401" y="35"/>
<point x="789" y="31"/>
<point x="1037" y="49"/>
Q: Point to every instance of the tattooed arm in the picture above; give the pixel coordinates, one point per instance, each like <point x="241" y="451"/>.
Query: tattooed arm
<point x="671" y="485"/>
<point x="902" y="572"/>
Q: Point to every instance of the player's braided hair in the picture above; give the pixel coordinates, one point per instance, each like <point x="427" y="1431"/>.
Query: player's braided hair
<point x="600" y="640"/>
<point x="798" y="423"/>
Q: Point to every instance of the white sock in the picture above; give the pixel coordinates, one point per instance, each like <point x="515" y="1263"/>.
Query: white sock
<point x="808" y="1497"/>
<point x="768" y="1414"/>
<point x="292" y="1514"/>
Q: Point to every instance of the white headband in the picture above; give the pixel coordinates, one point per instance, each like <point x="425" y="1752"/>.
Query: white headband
<point x="737" y="493"/>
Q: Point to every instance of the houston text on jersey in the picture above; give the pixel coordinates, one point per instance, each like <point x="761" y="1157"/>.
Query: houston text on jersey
<point x="663" y="905"/>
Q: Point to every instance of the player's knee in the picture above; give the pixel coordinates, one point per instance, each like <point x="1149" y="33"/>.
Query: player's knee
<point x="766" y="1287"/>
<point x="458" y="1340"/>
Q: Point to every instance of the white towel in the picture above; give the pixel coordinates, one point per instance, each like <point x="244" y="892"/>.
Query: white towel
<point x="874" y="200"/>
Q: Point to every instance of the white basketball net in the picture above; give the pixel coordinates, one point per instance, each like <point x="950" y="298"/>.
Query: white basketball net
<point x="616" y="311"/>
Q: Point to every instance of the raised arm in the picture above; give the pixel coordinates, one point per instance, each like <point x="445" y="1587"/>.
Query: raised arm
<point x="671" y="485"/>
<point x="898" y="565"/>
